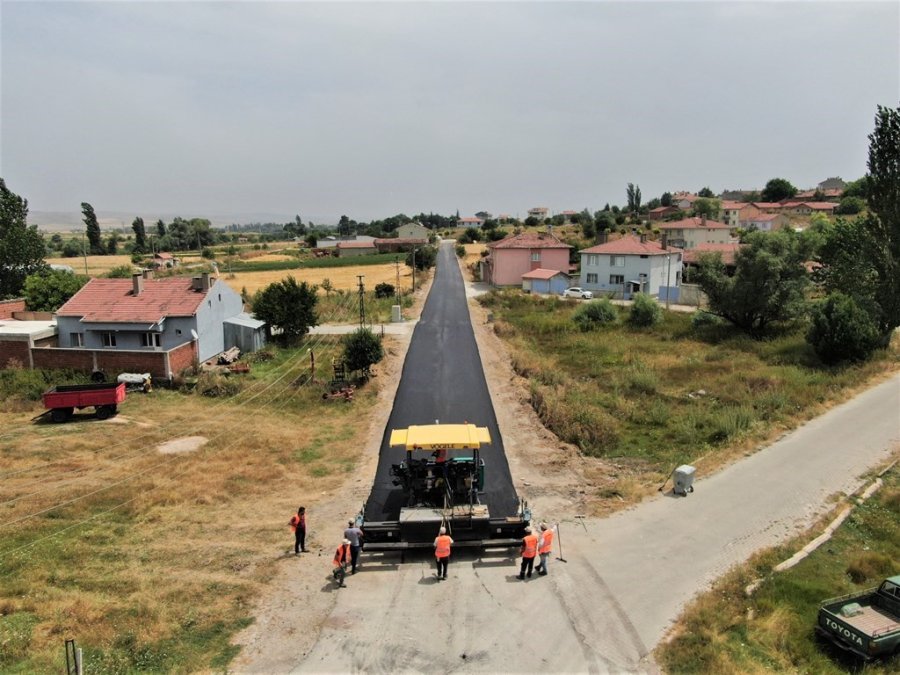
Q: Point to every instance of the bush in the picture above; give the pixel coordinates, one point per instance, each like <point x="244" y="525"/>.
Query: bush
<point x="841" y="330"/>
<point x="869" y="565"/>
<point x="362" y="349"/>
<point x="645" y="311"/>
<point x="216" y="385"/>
<point x="425" y="257"/>
<point x="701" y="319"/>
<point x="460" y="251"/>
<point x="850" y="206"/>
<point x="120" y="272"/>
<point x="594" y="314"/>
<point x="384" y="290"/>
<point x="208" y="253"/>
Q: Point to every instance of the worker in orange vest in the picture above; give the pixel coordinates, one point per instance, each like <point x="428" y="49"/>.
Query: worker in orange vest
<point x="341" y="560"/>
<point x="298" y="527"/>
<point x="545" y="547"/>
<point x="529" y="551"/>
<point x="442" y="552"/>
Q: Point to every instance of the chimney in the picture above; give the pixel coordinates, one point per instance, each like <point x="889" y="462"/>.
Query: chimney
<point x="147" y="274"/>
<point x="204" y="281"/>
<point x="643" y="238"/>
<point x="603" y="236"/>
<point x="137" y="283"/>
<point x="665" y="241"/>
<point x="196" y="283"/>
<point x="703" y="221"/>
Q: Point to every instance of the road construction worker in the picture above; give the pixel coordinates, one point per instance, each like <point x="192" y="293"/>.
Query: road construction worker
<point x="341" y="560"/>
<point x="545" y="546"/>
<point x="440" y="455"/>
<point x="529" y="551"/>
<point x="298" y="525"/>
<point x="442" y="544"/>
<point x="355" y="536"/>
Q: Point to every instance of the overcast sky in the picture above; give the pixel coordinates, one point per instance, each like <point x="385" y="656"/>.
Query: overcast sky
<point x="373" y="109"/>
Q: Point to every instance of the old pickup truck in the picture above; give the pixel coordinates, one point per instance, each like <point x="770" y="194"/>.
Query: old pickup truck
<point x="867" y="623"/>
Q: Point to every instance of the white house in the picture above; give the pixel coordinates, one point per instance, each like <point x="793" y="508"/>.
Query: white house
<point x="631" y="265"/>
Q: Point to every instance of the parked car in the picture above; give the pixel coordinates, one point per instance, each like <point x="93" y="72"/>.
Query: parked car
<point x="866" y="623"/>
<point x="576" y="292"/>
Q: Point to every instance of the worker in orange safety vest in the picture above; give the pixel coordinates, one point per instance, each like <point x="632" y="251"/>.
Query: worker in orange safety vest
<point x="529" y="551"/>
<point x="544" y="548"/>
<point x="442" y="545"/>
<point x="298" y="527"/>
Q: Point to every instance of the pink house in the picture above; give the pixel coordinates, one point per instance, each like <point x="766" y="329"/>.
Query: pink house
<point x="510" y="258"/>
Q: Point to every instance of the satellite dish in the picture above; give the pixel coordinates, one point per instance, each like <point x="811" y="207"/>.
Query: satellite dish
<point x="194" y="334"/>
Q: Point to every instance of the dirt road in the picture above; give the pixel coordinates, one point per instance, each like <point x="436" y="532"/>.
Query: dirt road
<point x="625" y="577"/>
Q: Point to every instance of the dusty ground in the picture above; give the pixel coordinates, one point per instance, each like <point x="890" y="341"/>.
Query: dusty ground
<point x="96" y="264"/>
<point x="343" y="278"/>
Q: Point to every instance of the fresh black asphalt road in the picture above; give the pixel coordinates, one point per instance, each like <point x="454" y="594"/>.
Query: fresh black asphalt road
<point x="443" y="381"/>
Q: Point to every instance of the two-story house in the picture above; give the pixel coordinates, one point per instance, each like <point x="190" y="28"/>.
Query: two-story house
<point x="689" y="232"/>
<point x="413" y="231"/>
<point x="539" y="212"/>
<point x="734" y="212"/>
<point x="631" y="265"/>
<point x="510" y="258"/>
<point x="146" y="315"/>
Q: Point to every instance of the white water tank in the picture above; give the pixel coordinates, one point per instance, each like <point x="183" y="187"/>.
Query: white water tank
<point x="396" y="316"/>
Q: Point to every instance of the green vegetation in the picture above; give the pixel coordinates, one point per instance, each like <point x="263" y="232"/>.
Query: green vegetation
<point x="724" y="631"/>
<point x="669" y="393"/>
<point x="21" y="246"/>
<point x="362" y="350"/>
<point x="288" y="305"/>
<point x="842" y="331"/>
<point x="49" y="290"/>
<point x="594" y="314"/>
<point x="644" y="311"/>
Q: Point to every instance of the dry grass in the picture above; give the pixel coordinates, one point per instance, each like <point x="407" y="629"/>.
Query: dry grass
<point x="165" y="552"/>
<point x="344" y="278"/>
<point x="97" y="265"/>
<point x="473" y="253"/>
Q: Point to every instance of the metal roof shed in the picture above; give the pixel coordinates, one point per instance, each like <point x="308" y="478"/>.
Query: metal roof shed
<point x="245" y="333"/>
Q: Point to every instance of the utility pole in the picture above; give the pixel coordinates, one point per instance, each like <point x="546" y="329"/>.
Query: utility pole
<point x="414" y="270"/>
<point x="362" y="301"/>
<point x="199" y="247"/>
<point x="668" y="278"/>
<point x="397" y="266"/>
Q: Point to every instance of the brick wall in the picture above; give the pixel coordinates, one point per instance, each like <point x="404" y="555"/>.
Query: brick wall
<point x="13" y="351"/>
<point x="7" y="307"/>
<point x="182" y="357"/>
<point x="76" y="359"/>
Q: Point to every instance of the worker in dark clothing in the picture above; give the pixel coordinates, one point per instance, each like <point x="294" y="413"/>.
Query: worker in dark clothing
<point x="298" y="525"/>
<point x="529" y="551"/>
<point x="355" y="536"/>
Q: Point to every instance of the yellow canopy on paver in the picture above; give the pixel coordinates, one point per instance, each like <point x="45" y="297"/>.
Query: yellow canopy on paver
<point x="438" y="436"/>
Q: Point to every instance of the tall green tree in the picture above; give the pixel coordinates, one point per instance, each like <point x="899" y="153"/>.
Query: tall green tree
<point x="49" y="290"/>
<point x="633" y="194"/>
<point x="778" y="189"/>
<point x="289" y="306"/>
<point x="706" y="192"/>
<point x="362" y="350"/>
<point x="768" y="286"/>
<point x="140" y="235"/>
<point x="666" y="199"/>
<point x="21" y="247"/>
<point x="706" y="206"/>
<point x="94" y="237"/>
<point x="160" y="228"/>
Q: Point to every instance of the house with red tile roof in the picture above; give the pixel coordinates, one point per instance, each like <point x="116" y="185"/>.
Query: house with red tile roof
<point x="725" y="252"/>
<point x="471" y="221"/>
<point x="796" y="208"/>
<point x="632" y="265"/>
<point x="734" y="212"/>
<point x="689" y="232"/>
<point x="399" y="244"/>
<point x="661" y="212"/>
<point x="510" y="258"/>
<point x="143" y="314"/>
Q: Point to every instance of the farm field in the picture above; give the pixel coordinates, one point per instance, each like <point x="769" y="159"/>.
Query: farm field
<point x="342" y="278"/>
<point x="97" y="265"/>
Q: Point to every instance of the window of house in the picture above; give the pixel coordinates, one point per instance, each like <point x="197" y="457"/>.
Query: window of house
<point x="220" y="297"/>
<point x="615" y="279"/>
<point x="177" y="331"/>
<point x="209" y="303"/>
<point x="76" y="339"/>
<point x="591" y="278"/>
<point x="617" y="260"/>
<point x="150" y="340"/>
<point x="593" y="259"/>
<point x="645" y="256"/>
<point x="535" y="256"/>
<point x="108" y="339"/>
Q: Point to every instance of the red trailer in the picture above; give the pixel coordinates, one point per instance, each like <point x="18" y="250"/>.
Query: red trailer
<point x="63" y="400"/>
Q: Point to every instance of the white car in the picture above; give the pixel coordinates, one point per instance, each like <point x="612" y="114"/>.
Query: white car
<point x="576" y="292"/>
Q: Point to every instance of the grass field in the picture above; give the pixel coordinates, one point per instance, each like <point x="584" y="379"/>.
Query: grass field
<point x="151" y="560"/>
<point x="342" y="278"/>
<point x="724" y="631"/>
<point x="656" y="398"/>
<point x="97" y="265"/>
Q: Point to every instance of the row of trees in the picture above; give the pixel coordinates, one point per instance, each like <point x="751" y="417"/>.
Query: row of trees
<point x="857" y="271"/>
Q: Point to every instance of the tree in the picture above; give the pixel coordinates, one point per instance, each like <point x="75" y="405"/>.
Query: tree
<point x="841" y="330"/>
<point x="112" y="244"/>
<point x="706" y="192"/>
<point x="704" y="206"/>
<point x="21" y="247"/>
<point x="160" y="228"/>
<point x="384" y="290"/>
<point x="645" y="311"/>
<point x="287" y="305"/>
<point x="850" y="206"/>
<point x="424" y="257"/>
<point x="857" y="188"/>
<point x="49" y="290"/>
<point x="343" y="227"/>
<point x="362" y="350"/>
<point x="778" y="189"/>
<point x="327" y="286"/>
<point x="95" y="244"/>
<point x="633" y="193"/>
<point x="140" y="235"/>
<point x="768" y="285"/>
<point x="532" y="221"/>
<point x="666" y="199"/>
